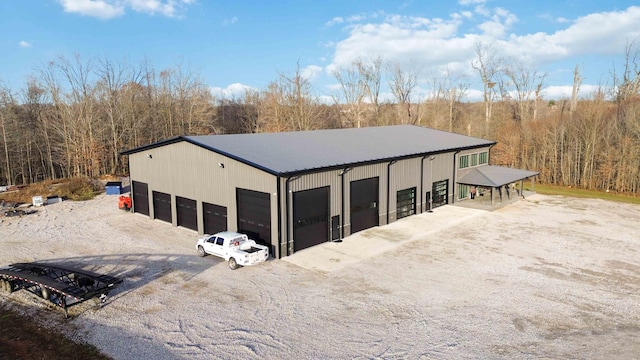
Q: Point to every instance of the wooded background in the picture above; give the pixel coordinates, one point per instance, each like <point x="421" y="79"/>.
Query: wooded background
<point x="74" y="116"/>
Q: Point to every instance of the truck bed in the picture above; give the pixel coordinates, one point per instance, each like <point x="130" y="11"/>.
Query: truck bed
<point x="252" y="250"/>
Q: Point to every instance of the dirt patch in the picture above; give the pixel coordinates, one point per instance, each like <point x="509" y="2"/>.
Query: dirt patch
<point x="22" y="338"/>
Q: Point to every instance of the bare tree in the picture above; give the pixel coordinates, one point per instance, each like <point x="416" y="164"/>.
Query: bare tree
<point x="627" y="84"/>
<point x="288" y="104"/>
<point x="454" y="89"/>
<point x="402" y="82"/>
<point x="352" y="96"/>
<point x="7" y="102"/>
<point x="577" y="82"/>
<point x="371" y="75"/>
<point x="488" y="66"/>
<point x="525" y="86"/>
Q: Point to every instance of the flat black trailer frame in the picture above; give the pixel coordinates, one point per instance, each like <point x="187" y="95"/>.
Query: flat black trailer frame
<point x="61" y="285"/>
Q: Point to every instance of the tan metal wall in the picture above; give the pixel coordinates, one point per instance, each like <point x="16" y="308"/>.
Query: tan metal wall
<point x="403" y="173"/>
<point x="187" y="170"/>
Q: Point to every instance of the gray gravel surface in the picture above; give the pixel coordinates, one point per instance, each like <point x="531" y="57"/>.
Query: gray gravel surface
<point x="545" y="277"/>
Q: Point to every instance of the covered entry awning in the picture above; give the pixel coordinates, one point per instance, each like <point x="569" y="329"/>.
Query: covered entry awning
<point x="495" y="176"/>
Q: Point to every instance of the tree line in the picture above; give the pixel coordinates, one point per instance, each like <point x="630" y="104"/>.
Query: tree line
<point x="74" y="116"/>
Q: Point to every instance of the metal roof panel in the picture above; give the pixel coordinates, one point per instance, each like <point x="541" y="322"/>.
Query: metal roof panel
<point x="298" y="151"/>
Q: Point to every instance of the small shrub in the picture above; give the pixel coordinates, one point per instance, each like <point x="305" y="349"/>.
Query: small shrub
<point x="79" y="189"/>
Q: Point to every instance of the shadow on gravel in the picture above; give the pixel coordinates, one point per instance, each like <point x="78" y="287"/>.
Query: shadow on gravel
<point x="137" y="270"/>
<point x="35" y="333"/>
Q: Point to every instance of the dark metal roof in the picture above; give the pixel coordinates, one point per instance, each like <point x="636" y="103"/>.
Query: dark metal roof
<point x="495" y="176"/>
<point x="301" y="151"/>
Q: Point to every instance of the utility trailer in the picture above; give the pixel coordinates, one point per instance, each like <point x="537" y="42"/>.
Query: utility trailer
<point x="61" y="285"/>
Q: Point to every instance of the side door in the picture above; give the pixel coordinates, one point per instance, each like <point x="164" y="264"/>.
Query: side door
<point x="209" y="244"/>
<point x="217" y="247"/>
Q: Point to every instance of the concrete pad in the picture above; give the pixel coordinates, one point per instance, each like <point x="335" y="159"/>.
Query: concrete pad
<point x="331" y="256"/>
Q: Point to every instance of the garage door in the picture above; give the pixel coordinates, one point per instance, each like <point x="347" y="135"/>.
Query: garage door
<point x="440" y="190"/>
<point x="405" y="202"/>
<point x="187" y="213"/>
<point x="215" y="218"/>
<point x="254" y="215"/>
<point x="162" y="206"/>
<point x="140" y="192"/>
<point x="310" y="218"/>
<point x="364" y="204"/>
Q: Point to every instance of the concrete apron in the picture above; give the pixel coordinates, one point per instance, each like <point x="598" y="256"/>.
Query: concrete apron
<point x="332" y="256"/>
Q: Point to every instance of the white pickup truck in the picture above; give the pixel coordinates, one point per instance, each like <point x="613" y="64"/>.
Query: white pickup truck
<point x="234" y="247"/>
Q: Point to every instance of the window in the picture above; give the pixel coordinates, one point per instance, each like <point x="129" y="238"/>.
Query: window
<point x="406" y="202"/>
<point x="464" y="161"/>
<point x="463" y="191"/>
<point x="219" y="241"/>
<point x="474" y="159"/>
<point x="484" y="158"/>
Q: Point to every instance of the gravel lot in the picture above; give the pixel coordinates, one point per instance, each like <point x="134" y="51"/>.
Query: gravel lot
<point x="544" y="277"/>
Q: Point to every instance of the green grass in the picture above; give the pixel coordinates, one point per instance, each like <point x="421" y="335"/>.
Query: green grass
<point x="583" y="193"/>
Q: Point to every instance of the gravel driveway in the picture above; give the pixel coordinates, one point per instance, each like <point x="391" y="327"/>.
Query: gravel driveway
<point x="545" y="277"/>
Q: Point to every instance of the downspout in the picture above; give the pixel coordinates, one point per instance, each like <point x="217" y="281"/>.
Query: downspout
<point x="131" y="193"/>
<point x="454" y="180"/>
<point x="342" y="205"/>
<point x="422" y="182"/>
<point x="278" y="180"/>
<point x="286" y="212"/>
<point x="389" y="186"/>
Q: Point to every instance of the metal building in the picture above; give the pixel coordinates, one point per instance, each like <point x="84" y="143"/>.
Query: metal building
<point x="294" y="190"/>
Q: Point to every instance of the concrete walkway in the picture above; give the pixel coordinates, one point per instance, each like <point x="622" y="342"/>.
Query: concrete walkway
<point x="331" y="256"/>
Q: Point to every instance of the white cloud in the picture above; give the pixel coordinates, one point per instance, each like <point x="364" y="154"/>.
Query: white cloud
<point x="436" y="44"/>
<point x="399" y="39"/>
<point x="107" y="9"/>
<point x="334" y="21"/>
<point x="501" y="21"/>
<point x="233" y="91"/>
<point x="564" y="92"/>
<point x="102" y="9"/>
<point x="471" y="2"/>
<point x="231" y="21"/>
<point x="311" y="72"/>
<point x="25" y="44"/>
<point x="603" y="33"/>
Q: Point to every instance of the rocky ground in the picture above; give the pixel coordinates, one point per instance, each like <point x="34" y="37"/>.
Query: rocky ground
<point x="545" y="277"/>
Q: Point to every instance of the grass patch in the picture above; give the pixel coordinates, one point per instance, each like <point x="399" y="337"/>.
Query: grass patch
<point x="77" y="189"/>
<point x="584" y="193"/>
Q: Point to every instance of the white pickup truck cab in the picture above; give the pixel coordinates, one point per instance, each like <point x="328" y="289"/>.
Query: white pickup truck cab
<point x="234" y="247"/>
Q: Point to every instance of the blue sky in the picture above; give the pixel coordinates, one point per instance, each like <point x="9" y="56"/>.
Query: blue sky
<point x="242" y="44"/>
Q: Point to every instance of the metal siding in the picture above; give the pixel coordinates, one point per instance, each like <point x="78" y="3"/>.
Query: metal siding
<point x="182" y="168"/>
<point x="332" y="179"/>
<point x="243" y="176"/>
<point x="186" y="170"/>
<point x="364" y="172"/>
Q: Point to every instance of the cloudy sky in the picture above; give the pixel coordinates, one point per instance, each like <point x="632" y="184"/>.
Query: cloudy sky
<point x="248" y="43"/>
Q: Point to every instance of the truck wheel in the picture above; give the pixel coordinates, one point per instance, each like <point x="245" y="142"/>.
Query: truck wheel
<point x="233" y="264"/>
<point x="201" y="252"/>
